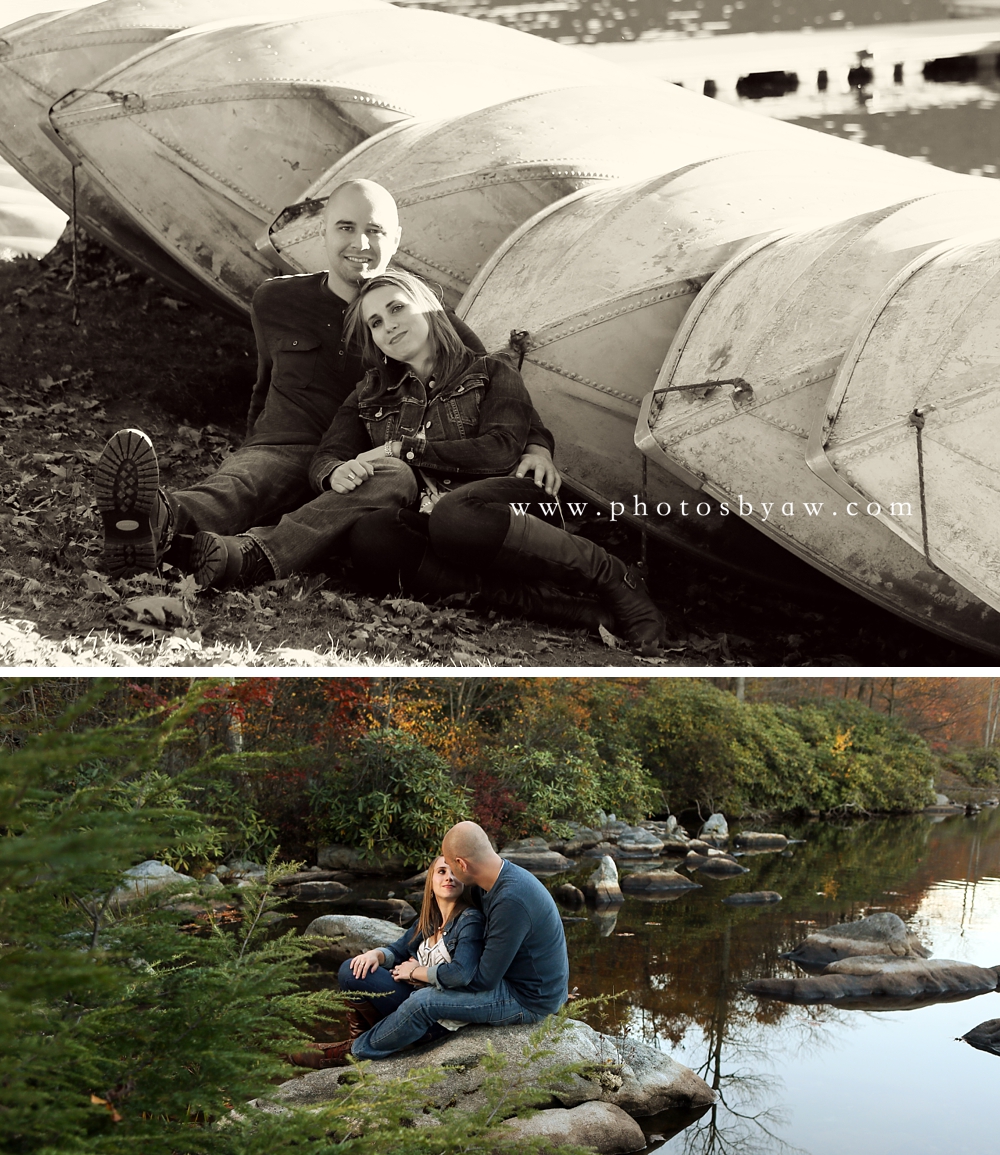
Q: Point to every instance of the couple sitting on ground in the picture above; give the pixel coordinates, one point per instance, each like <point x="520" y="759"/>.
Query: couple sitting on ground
<point x="380" y="429"/>
<point x="488" y="947"/>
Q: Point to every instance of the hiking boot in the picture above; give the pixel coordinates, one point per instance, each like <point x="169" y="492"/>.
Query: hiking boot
<point x="137" y="514"/>
<point x="226" y="562"/>
<point x="322" y="1055"/>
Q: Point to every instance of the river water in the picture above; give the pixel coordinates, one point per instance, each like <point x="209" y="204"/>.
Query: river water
<point x="814" y="1079"/>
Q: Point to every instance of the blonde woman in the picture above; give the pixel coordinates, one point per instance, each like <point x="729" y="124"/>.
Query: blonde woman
<point x="460" y="421"/>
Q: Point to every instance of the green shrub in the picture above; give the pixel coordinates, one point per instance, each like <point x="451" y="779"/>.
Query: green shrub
<point x="390" y="796"/>
<point x="978" y="765"/>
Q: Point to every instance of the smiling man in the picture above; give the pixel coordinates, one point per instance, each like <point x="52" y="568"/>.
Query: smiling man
<point x="257" y="517"/>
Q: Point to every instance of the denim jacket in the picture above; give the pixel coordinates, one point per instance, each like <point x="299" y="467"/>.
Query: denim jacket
<point x="474" y="426"/>
<point x="463" y="937"/>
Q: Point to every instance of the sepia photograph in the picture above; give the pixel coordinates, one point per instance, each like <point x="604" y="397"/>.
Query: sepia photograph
<point x="704" y="296"/>
<point x="475" y="915"/>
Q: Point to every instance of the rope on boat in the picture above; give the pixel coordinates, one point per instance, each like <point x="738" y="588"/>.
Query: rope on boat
<point x="518" y="341"/>
<point x="742" y="389"/>
<point x="72" y="224"/>
<point x="643" y="539"/>
<point x="918" y="419"/>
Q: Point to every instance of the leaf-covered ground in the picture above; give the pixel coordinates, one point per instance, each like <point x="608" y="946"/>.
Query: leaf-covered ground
<point x="183" y="374"/>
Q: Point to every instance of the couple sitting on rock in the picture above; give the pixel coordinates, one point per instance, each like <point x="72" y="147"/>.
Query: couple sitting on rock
<point x="488" y="947"/>
<point x="378" y="429"/>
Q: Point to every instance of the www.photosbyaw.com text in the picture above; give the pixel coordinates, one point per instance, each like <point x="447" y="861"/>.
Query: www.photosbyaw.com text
<point x="763" y="510"/>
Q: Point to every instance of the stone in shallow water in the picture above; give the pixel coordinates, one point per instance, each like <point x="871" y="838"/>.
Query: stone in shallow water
<point x="985" y="1037"/>
<point x="648" y="881"/>
<point x="396" y="909"/>
<point x="881" y="976"/>
<point x="602" y="887"/>
<point x="637" y="1078"/>
<point x="752" y="840"/>
<point x="752" y="897"/>
<point x="883" y="933"/>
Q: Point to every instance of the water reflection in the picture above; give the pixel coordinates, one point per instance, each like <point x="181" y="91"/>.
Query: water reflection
<point x="593" y="21"/>
<point x="680" y="968"/>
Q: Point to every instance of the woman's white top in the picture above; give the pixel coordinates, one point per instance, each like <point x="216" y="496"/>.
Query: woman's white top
<point x="434" y="954"/>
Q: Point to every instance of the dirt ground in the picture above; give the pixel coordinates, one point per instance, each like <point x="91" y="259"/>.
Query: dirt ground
<point x="183" y="375"/>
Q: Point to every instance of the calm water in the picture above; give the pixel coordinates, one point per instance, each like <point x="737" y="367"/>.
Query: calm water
<point x="816" y="1079"/>
<point x="809" y="1079"/>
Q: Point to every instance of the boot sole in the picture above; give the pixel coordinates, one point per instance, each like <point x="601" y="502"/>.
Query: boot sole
<point x="126" y="481"/>
<point x="209" y="560"/>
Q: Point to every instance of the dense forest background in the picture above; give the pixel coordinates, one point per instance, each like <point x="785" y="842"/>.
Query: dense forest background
<point x="386" y="764"/>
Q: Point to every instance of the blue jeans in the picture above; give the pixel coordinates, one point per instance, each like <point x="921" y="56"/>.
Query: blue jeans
<point x="377" y="982"/>
<point x="260" y="483"/>
<point x="416" y="1014"/>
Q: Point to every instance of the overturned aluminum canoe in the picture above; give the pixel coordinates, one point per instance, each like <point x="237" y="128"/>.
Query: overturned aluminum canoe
<point x="464" y="184"/>
<point x="204" y="139"/>
<point x="601" y="282"/>
<point x="778" y="319"/>
<point x="911" y="430"/>
<point x="43" y="57"/>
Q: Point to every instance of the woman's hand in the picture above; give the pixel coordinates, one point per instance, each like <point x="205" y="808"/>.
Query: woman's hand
<point x="403" y="973"/>
<point x="362" y="964"/>
<point x="537" y="461"/>
<point x="350" y="474"/>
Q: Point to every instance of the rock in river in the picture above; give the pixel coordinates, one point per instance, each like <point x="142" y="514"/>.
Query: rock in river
<point x="602" y="1126"/>
<point x="716" y="826"/>
<point x="533" y="854"/>
<point x="568" y="894"/>
<point x="884" y="933"/>
<point x="351" y="934"/>
<point x="985" y="1037"/>
<point x="397" y="910"/>
<point x="150" y="875"/>
<point x="752" y="897"/>
<point x="751" y="840"/>
<point x="637" y="1078"/>
<point x="317" y="891"/>
<point x="650" y="881"/>
<point x="881" y="976"/>
<point x="602" y="886"/>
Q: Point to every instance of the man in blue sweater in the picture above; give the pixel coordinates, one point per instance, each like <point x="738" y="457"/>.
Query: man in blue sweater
<point x="524" y="970"/>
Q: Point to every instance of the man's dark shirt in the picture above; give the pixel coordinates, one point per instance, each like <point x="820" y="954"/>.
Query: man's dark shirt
<point x="304" y="371"/>
<point x="525" y="941"/>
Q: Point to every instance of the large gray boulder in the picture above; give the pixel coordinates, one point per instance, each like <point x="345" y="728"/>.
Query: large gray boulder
<point x="637" y="1078"/>
<point x="602" y="887"/>
<point x="602" y="1126"/>
<point x="352" y="934"/>
<point x="881" y="976"/>
<point x="339" y="857"/>
<point x="883" y="933"/>
<point x="140" y="880"/>
<point x="397" y="910"/>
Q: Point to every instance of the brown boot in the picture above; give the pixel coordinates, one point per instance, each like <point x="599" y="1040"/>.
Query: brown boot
<point x="322" y="1055"/>
<point x="358" y="1022"/>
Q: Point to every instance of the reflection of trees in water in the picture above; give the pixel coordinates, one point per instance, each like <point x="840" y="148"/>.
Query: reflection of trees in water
<point x="680" y="966"/>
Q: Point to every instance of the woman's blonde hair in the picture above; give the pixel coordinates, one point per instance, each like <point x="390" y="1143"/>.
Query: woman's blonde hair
<point x="430" y="919"/>
<point x="450" y="354"/>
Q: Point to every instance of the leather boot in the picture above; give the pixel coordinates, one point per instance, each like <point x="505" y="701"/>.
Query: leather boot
<point x="361" y="1017"/>
<point x="227" y="562"/>
<point x="322" y="1055"/>
<point x="138" y="516"/>
<point x="539" y="601"/>
<point x="534" y="546"/>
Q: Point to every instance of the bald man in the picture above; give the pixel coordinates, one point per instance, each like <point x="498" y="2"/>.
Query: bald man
<point x="258" y="516"/>
<point x="522" y="975"/>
